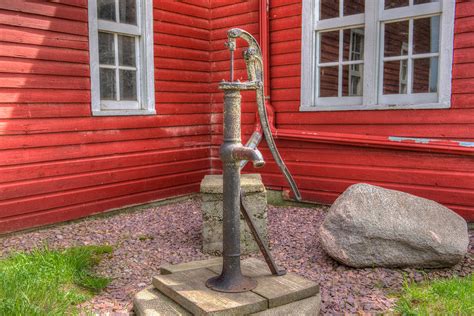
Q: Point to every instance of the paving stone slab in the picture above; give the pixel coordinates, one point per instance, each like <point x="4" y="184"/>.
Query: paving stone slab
<point x="278" y="290"/>
<point x="307" y="307"/>
<point x="188" y="289"/>
<point x="193" y="265"/>
<point x="150" y="302"/>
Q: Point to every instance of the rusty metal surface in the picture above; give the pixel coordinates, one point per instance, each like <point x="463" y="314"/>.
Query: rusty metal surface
<point x="231" y="151"/>
<point x="253" y="142"/>
<point x="256" y="235"/>
<point x="247" y="153"/>
<point x="232" y="154"/>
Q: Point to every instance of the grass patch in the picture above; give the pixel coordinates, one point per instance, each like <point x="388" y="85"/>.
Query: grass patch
<point x="50" y="282"/>
<point x="453" y="296"/>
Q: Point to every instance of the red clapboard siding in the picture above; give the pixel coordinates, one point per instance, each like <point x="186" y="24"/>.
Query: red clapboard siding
<point x="58" y="162"/>
<point x="53" y="186"/>
<point x="180" y="19"/>
<point x="174" y="29"/>
<point x="15" y="34"/>
<point x="432" y="178"/>
<point x="60" y="199"/>
<point x="38" y="126"/>
<point x="12" y="174"/>
<point x="442" y="195"/>
<point x="43" y="110"/>
<point x="88" y="137"/>
<point x="34" y="155"/>
<point x="14" y="223"/>
<point x="43" y="53"/>
<point x="39" y="22"/>
<point x="183" y="8"/>
<point x="31" y="66"/>
<point x="45" y="9"/>
<point x="76" y="3"/>
<point x="26" y="81"/>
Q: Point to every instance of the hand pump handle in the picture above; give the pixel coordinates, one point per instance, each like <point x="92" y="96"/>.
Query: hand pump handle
<point x="254" y="63"/>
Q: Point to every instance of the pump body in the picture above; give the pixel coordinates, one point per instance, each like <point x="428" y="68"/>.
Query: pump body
<point x="234" y="156"/>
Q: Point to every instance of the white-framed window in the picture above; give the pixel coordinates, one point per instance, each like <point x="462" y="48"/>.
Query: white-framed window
<point x="380" y="54"/>
<point x="121" y="57"/>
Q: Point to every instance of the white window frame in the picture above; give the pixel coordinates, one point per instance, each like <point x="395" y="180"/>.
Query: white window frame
<point x="372" y="20"/>
<point x="403" y="76"/>
<point x="354" y="73"/>
<point x="145" y="104"/>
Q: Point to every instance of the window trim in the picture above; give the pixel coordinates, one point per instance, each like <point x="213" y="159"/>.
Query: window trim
<point x="145" y="65"/>
<point x="310" y="16"/>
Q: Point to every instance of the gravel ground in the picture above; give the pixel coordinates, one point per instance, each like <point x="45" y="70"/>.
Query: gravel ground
<point x="146" y="239"/>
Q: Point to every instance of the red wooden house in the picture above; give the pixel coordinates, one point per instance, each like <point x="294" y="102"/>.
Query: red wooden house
<point x="110" y="103"/>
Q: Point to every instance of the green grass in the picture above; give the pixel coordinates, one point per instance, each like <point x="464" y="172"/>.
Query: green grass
<point x="453" y="296"/>
<point x="50" y="282"/>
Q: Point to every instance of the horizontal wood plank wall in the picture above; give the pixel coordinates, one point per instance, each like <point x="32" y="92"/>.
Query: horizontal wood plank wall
<point x="323" y="171"/>
<point x="57" y="162"/>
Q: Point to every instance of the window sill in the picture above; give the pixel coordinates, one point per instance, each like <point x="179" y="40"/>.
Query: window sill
<point x="123" y="112"/>
<point x="319" y="108"/>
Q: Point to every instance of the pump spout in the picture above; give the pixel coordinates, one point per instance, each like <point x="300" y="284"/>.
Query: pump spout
<point x="247" y="153"/>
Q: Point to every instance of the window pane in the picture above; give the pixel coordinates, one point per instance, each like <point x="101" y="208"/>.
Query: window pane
<point x="395" y="77"/>
<point x="389" y="4"/>
<point x="328" y="81"/>
<point x="354" y="7"/>
<point x="106" y="49"/>
<point x="107" y="84"/>
<point x="128" y="11"/>
<point x="352" y="80"/>
<point x="425" y="75"/>
<point x="426" y="35"/>
<point x="328" y="9"/>
<point x="353" y="44"/>
<point x="126" y="48"/>
<point x="396" y="39"/>
<point x="329" y="46"/>
<point x="106" y="10"/>
<point x="424" y="1"/>
<point x="128" y="85"/>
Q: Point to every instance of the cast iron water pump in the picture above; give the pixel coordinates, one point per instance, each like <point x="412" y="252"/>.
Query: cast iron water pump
<point x="234" y="156"/>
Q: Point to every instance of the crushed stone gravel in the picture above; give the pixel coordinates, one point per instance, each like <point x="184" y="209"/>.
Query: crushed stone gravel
<point x="146" y="239"/>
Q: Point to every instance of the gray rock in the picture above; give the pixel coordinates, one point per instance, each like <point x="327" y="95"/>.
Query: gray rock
<point x="368" y="226"/>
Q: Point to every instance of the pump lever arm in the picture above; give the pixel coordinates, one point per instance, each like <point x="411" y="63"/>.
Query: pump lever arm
<point x="254" y="63"/>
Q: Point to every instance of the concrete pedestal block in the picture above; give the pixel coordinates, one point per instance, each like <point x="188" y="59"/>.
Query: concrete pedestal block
<point x="255" y="200"/>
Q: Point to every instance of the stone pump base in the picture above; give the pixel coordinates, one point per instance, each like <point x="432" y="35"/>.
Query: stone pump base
<point x="180" y="290"/>
<point x="255" y="200"/>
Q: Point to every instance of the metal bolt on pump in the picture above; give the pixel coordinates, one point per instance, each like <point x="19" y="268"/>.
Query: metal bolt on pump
<point x="234" y="155"/>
